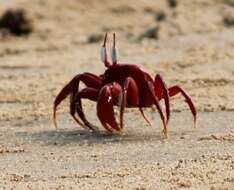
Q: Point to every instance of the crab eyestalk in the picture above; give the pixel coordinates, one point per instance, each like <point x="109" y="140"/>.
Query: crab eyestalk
<point x="114" y="52"/>
<point x="104" y="53"/>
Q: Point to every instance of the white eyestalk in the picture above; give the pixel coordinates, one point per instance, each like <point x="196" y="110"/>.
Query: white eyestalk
<point x="114" y="55"/>
<point x="103" y="54"/>
<point x="114" y="52"/>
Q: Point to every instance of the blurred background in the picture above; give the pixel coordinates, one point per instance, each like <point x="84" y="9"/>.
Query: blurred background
<point x="189" y="42"/>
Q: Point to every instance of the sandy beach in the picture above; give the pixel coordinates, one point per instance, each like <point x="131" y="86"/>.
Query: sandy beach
<point x="190" y="43"/>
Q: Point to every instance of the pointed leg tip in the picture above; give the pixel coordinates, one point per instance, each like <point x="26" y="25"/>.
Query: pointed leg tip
<point x="195" y="122"/>
<point x="165" y="133"/>
<point x="121" y="125"/>
<point x="119" y="132"/>
<point x="94" y="129"/>
<point x="195" y="125"/>
<point x="145" y="118"/>
<point x="54" y="119"/>
<point x="114" y="129"/>
<point x="55" y="123"/>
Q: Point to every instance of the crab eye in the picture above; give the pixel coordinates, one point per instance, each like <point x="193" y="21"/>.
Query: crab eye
<point x="114" y="55"/>
<point x="103" y="54"/>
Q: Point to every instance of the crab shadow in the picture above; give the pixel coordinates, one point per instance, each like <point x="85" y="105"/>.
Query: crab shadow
<point x="133" y="133"/>
<point x="83" y="137"/>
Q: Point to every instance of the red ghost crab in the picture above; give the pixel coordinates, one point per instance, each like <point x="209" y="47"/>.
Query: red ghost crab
<point x="122" y="85"/>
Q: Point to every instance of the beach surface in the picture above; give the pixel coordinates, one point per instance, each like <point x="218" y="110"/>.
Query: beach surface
<point x="190" y="43"/>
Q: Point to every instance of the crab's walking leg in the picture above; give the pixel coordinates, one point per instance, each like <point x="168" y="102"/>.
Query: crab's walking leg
<point x="156" y="102"/>
<point x="90" y="80"/>
<point x="174" y="90"/>
<point x="161" y="91"/>
<point x="107" y="97"/>
<point x="86" y="93"/>
<point x="73" y="111"/>
<point x="72" y="88"/>
<point x="143" y="115"/>
<point x="130" y="89"/>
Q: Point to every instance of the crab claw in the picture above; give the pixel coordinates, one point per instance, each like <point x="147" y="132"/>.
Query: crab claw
<point x="108" y="94"/>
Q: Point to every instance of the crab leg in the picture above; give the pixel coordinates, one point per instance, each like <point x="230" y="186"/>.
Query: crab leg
<point x="161" y="91"/>
<point x="107" y="97"/>
<point x="143" y="115"/>
<point x="72" y="88"/>
<point x="156" y="102"/>
<point x="130" y="89"/>
<point x="86" y="93"/>
<point x="174" y="90"/>
<point x="73" y="111"/>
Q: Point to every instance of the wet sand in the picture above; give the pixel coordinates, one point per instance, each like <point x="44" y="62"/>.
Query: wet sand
<point x="193" y="48"/>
